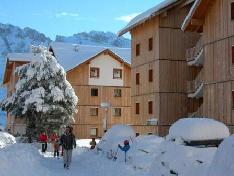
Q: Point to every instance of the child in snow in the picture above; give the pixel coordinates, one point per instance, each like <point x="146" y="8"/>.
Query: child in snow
<point x="93" y="143"/>
<point x="55" y="143"/>
<point x="67" y="141"/>
<point x="125" y="148"/>
<point x="43" y="139"/>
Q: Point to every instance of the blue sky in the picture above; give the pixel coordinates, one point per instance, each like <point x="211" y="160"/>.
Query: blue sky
<point x="66" y="17"/>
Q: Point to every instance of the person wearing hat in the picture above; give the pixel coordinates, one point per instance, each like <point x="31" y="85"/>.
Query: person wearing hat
<point x="68" y="142"/>
<point x="125" y="148"/>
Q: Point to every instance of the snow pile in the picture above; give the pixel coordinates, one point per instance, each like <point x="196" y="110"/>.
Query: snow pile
<point x="114" y="136"/>
<point x="198" y="129"/>
<point x="6" y="139"/>
<point x="21" y="159"/>
<point x="147" y="148"/>
<point x="223" y="163"/>
<point x="174" y="159"/>
<point x="85" y="142"/>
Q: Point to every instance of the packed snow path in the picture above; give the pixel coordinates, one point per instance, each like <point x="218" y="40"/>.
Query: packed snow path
<point x="87" y="163"/>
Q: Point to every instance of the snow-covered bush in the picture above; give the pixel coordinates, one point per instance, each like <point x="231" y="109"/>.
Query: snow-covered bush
<point x="6" y="139"/>
<point x="108" y="145"/>
<point x="223" y="162"/>
<point x="43" y="96"/>
<point x="190" y="129"/>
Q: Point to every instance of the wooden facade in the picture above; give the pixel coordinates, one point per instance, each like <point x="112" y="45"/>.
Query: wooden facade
<point x="218" y="35"/>
<point x="167" y="59"/>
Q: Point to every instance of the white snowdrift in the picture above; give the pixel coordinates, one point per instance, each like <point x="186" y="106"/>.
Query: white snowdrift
<point x="21" y="159"/>
<point x="223" y="163"/>
<point x="174" y="159"/>
<point x="198" y="129"/>
<point x="114" y="136"/>
<point x="6" y="139"/>
<point x="146" y="151"/>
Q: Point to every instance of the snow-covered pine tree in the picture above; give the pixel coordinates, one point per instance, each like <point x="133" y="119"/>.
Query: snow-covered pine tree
<point x="43" y="96"/>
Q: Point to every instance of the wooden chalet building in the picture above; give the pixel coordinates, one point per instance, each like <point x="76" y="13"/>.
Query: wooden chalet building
<point x="97" y="74"/>
<point x="159" y="67"/>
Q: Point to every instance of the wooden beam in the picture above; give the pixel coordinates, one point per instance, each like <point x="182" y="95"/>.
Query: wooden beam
<point x="186" y="3"/>
<point x="197" y="22"/>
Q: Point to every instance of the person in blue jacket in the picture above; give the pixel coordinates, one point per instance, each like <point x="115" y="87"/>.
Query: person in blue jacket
<point x="125" y="148"/>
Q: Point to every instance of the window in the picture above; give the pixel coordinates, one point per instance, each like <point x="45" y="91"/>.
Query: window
<point x="151" y="75"/>
<point x="137" y="134"/>
<point x="94" y="72"/>
<point x="117" y="92"/>
<point x="150" y="107"/>
<point x="137" y="108"/>
<point x="150" y="44"/>
<point x="138" y="48"/>
<point x="232" y="11"/>
<point x="137" y="78"/>
<point x="93" y="111"/>
<point x="116" y="112"/>
<point x="94" y="92"/>
<point x="233" y="99"/>
<point x="93" y="131"/>
<point x="117" y="73"/>
<point x="233" y="54"/>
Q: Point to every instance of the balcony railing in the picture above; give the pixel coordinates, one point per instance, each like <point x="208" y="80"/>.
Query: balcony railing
<point x="195" y="55"/>
<point x="194" y="86"/>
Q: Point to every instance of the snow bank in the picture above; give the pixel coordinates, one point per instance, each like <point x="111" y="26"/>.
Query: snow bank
<point x="21" y="159"/>
<point x="174" y="159"/>
<point x="85" y="142"/>
<point x="6" y="139"/>
<point x="223" y="163"/>
<point x="114" y="136"/>
<point x="146" y="151"/>
<point x="198" y="129"/>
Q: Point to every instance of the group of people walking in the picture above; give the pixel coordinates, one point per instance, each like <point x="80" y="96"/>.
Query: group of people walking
<point x="67" y="142"/>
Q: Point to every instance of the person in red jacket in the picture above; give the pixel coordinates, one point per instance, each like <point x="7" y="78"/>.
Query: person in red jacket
<point x="55" y="143"/>
<point x="43" y="139"/>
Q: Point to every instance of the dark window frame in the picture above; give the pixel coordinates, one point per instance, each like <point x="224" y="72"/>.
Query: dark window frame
<point x="98" y="72"/>
<point x="137" y="78"/>
<point x="150" y="75"/>
<point x="137" y="108"/>
<point x="117" y="94"/>
<point x="94" y="94"/>
<point x="150" y="47"/>
<point x="150" y="107"/>
<point x="232" y="11"/>
<point x="96" y="111"/>
<point x="121" y="73"/>
<point x="117" y="114"/>
<point x="138" y="49"/>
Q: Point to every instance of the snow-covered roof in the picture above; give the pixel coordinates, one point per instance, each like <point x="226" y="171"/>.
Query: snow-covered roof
<point x="190" y="14"/>
<point x="71" y="55"/>
<point x="146" y="15"/>
<point x="27" y="57"/>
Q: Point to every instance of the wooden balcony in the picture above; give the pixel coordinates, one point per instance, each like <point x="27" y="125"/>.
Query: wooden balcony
<point x="196" y="114"/>
<point x="195" y="87"/>
<point x="195" y="55"/>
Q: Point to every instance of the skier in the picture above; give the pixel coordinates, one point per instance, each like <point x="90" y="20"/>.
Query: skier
<point x="93" y="143"/>
<point x="43" y="139"/>
<point x="125" y="148"/>
<point x="67" y="141"/>
<point x="55" y="143"/>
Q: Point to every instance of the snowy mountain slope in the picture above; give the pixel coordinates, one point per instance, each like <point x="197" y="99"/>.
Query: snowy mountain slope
<point x="96" y="38"/>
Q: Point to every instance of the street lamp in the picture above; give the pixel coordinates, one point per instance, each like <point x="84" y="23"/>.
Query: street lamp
<point x="105" y="106"/>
